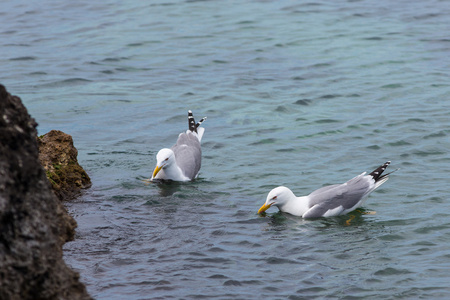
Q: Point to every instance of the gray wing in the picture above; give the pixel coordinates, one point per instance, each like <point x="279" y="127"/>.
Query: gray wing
<point x="323" y="189"/>
<point x="346" y="195"/>
<point x="188" y="154"/>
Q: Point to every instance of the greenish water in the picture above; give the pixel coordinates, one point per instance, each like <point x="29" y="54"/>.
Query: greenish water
<point x="300" y="94"/>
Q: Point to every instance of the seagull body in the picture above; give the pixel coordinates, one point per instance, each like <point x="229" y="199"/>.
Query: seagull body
<point x="328" y="201"/>
<point x="182" y="162"/>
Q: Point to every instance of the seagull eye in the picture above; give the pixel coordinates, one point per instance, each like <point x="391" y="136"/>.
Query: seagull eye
<point x="274" y="197"/>
<point x="166" y="159"/>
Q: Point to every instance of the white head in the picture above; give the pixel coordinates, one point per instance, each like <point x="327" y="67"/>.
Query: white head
<point x="164" y="159"/>
<point x="278" y="196"/>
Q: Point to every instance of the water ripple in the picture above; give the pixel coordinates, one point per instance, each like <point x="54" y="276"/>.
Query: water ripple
<point x="300" y="95"/>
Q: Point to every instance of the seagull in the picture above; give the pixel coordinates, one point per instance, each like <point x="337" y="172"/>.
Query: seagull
<point x="328" y="201"/>
<point x="182" y="162"/>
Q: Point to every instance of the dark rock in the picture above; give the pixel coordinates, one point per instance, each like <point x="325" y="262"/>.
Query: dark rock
<point x="58" y="156"/>
<point x="33" y="223"/>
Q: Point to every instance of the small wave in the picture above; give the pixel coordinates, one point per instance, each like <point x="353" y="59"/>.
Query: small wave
<point x="218" y="276"/>
<point x="330" y="96"/>
<point x="17" y="45"/>
<point x="326" y="121"/>
<point x="416" y="120"/>
<point x="392" y="271"/>
<point x="154" y="282"/>
<point x="286" y="150"/>
<point x="23" y="58"/>
<point x="373" y="147"/>
<point x="74" y="80"/>
<point x="374" y="38"/>
<point x="66" y="82"/>
<point x="135" y="44"/>
<point x="232" y="282"/>
<point x="278" y="260"/>
<point x="399" y="143"/>
<point x="436" y="135"/>
<point x="113" y="59"/>
<point x="38" y="73"/>
<point x="425" y="153"/>
<point x="392" y="86"/>
<point x="304" y="102"/>
<point x="264" y="141"/>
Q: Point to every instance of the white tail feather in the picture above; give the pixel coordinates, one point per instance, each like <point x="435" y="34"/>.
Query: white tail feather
<point x="198" y="134"/>
<point x="200" y="131"/>
<point x="381" y="181"/>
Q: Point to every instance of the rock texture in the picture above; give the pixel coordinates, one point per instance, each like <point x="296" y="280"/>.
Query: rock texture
<point x="33" y="223"/>
<point x="58" y="156"/>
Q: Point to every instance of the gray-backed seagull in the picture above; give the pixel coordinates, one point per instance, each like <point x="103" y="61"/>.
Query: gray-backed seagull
<point x="182" y="162"/>
<point x="328" y="201"/>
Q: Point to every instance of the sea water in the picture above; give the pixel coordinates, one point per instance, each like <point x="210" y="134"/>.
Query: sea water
<point x="297" y="93"/>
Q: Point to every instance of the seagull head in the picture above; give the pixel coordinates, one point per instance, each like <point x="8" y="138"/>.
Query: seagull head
<point x="278" y="196"/>
<point x="164" y="158"/>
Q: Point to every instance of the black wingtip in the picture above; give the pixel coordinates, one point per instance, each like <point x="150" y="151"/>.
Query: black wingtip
<point x="192" y="125"/>
<point x="376" y="174"/>
<point x="191" y="122"/>
<point x="200" y="122"/>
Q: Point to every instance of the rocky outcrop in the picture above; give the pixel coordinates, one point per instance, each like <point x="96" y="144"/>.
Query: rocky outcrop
<point x="33" y="223"/>
<point x="58" y="156"/>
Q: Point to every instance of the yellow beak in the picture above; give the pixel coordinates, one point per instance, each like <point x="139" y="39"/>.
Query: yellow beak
<point x="264" y="208"/>
<point x="156" y="171"/>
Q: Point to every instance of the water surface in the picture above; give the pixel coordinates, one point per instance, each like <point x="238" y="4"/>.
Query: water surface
<point x="300" y="94"/>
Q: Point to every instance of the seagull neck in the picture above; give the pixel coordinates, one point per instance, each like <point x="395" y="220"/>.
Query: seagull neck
<point x="174" y="172"/>
<point x="296" y="206"/>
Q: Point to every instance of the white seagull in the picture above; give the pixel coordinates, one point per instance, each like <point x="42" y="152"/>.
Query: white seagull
<point x="329" y="201"/>
<point x="182" y="162"/>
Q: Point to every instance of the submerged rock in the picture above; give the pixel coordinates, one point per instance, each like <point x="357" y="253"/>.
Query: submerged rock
<point x="33" y="223"/>
<point x="58" y="156"/>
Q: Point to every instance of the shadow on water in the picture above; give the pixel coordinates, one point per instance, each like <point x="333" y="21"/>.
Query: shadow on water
<point x="281" y="221"/>
<point x="167" y="187"/>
